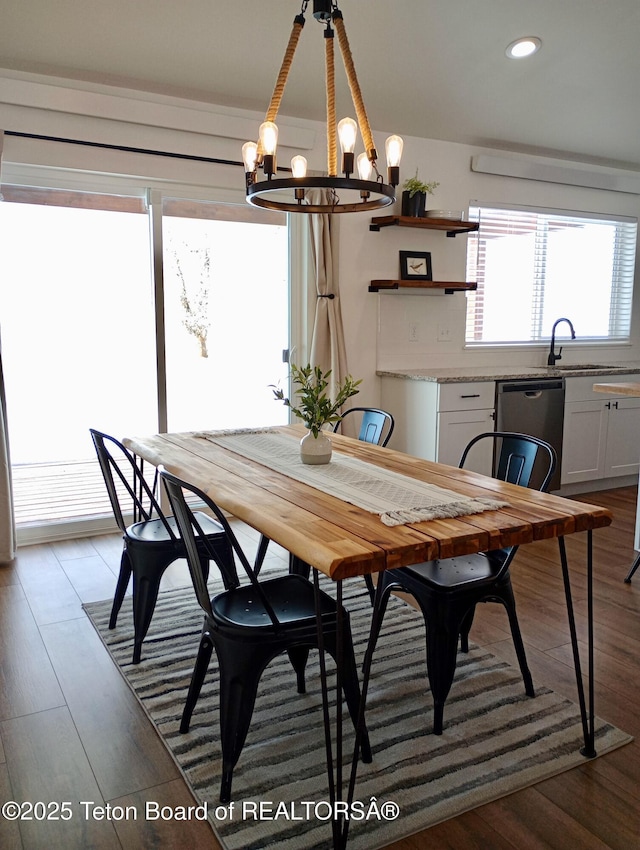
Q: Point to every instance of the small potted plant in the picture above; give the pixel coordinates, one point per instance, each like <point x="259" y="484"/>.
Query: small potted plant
<point x="414" y="195"/>
<point x="315" y="408"/>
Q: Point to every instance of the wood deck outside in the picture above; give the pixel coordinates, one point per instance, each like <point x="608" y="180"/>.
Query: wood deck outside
<point x="50" y="492"/>
<point x="57" y="492"/>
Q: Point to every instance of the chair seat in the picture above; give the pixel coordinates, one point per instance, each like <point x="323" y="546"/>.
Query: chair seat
<point x="454" y="573"/>
<point x="154" y="530"/>
<point x="290" y="597"/>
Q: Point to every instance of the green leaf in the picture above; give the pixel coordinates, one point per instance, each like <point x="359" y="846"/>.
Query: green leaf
<point x="313" y="405"/>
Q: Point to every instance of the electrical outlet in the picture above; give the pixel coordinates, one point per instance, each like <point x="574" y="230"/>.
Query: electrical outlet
<point x="444" y="334"/>
<point x="413" y="332"/>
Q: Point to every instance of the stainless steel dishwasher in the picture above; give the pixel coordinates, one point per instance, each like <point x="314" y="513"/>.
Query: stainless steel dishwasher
<point x="534" y="407"/>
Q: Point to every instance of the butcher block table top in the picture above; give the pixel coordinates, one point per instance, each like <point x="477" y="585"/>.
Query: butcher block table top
<point x="342" y="540"/>
<point x="631" y="388"/>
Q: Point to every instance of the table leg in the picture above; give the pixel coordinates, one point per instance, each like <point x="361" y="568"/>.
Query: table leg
<point x="634" y="567"/>
<point x="339" y="805"/>
<point x="587" y="713"/>
<point x="263" y="545"/>
<point x="333" y="782"/>
<point x="636" y="542"/>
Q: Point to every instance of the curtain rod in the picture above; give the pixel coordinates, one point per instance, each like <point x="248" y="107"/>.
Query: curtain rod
<point x="124" y="148"/>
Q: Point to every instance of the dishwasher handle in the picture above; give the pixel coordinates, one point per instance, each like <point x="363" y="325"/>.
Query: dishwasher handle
<point x="527" y="387"/>
<point x="533" y="393"/>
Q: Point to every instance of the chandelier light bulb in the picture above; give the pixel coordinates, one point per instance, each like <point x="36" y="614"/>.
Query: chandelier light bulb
<point x="268" y="135"/>
<point x="249" y="156"/>
<point x="299" y="166"/>
<point x="347" y="133"/>
<point x="393" y="148"/>
<point x="365" y="168"/>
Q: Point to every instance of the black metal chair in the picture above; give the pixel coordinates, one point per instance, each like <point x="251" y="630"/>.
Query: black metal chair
<point x="151" y="539"/>
<point x="249" y="625"/>
<point x="376" y="426"/>
<point x="447" y="591"/>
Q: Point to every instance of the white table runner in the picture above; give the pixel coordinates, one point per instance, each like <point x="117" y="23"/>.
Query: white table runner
<point x="396" y="498"/>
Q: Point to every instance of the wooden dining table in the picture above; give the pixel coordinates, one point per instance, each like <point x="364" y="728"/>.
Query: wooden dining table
<point x="342" y="540"/>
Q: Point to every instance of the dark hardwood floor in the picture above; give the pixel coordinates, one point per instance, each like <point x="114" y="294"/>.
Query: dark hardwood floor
<point x="70" y="728"/>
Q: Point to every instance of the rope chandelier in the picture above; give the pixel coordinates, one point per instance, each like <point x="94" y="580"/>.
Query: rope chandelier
<point x="341" y="193"/>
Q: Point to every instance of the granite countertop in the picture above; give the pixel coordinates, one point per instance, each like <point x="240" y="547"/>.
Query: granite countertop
<point x="458" y="374"/>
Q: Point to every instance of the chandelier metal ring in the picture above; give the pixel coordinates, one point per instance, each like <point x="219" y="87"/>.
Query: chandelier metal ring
<point x="262" y="194"/>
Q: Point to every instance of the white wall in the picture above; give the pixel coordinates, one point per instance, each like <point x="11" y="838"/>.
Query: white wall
<point x="376" y="325"/>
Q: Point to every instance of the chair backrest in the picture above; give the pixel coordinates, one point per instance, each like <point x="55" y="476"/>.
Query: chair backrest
<point x="126" y="482"/>
<point x="376" y="426"/>
<point x="515" y="456"/>
<point x="195" y="542"/>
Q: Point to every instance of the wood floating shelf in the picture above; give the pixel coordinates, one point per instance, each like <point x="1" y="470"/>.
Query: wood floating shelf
<point x="450" y="225"/>
<point x="449" y="287"/>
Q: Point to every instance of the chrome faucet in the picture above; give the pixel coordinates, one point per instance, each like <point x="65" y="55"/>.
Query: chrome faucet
<point x="551" y="359"/>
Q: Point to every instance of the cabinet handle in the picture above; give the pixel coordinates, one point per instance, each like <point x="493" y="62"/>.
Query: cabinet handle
<point x="473" y="395"/>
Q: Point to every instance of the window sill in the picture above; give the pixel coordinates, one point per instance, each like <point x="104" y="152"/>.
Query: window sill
<point x="544" y="345"/>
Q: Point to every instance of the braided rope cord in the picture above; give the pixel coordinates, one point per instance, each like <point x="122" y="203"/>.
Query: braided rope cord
<point x="356" y="96"/>
<point x="278" y="90"/>
<point x="332" y="149"/>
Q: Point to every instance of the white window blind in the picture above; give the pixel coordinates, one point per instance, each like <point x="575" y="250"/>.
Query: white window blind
<point x="534" y="265"/>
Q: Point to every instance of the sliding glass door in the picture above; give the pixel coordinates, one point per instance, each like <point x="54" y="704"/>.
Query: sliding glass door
<point x="94" y="336"/>
<point x="226" y="285"/>
<point x="77" y="341"/>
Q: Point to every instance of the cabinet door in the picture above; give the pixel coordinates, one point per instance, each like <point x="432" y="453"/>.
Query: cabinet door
<point x="456" y="429"/>
<point x="413" y="405"/>
<point x="584" y="441"/>
<point x="623" y="437"/>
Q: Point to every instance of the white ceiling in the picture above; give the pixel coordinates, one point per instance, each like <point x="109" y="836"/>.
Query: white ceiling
<point x="427" y="68"/>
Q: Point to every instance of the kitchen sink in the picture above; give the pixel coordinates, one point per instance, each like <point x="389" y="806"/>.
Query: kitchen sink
<point x="576" y="369"/>
<point x="573" y="367"/>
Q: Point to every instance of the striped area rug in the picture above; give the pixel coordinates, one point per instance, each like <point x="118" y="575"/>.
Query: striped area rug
<point x="496" y="739"/>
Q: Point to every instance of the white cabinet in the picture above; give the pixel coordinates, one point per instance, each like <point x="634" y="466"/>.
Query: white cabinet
<point x="436" y="421"/>
<point x="623" y="437"/>
<point x="456" y="429"/>
<point x="601" y="433"/>
<point x="583" y="441"/>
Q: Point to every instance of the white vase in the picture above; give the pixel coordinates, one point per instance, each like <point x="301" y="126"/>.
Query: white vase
<point x="315" y="449"/>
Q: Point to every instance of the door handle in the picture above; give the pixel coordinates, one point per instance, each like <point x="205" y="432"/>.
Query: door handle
<point x="533" y="393"/>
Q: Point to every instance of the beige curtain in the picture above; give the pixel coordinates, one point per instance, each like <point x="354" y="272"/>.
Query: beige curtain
<point x="7" y="521"/>
<point x="327" y="341"/>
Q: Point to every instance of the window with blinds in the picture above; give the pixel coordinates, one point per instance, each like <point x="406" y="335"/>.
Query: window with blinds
<point x="534" y="265"/>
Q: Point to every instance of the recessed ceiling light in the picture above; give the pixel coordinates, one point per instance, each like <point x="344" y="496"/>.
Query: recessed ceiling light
<point x="523" y="47"/>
